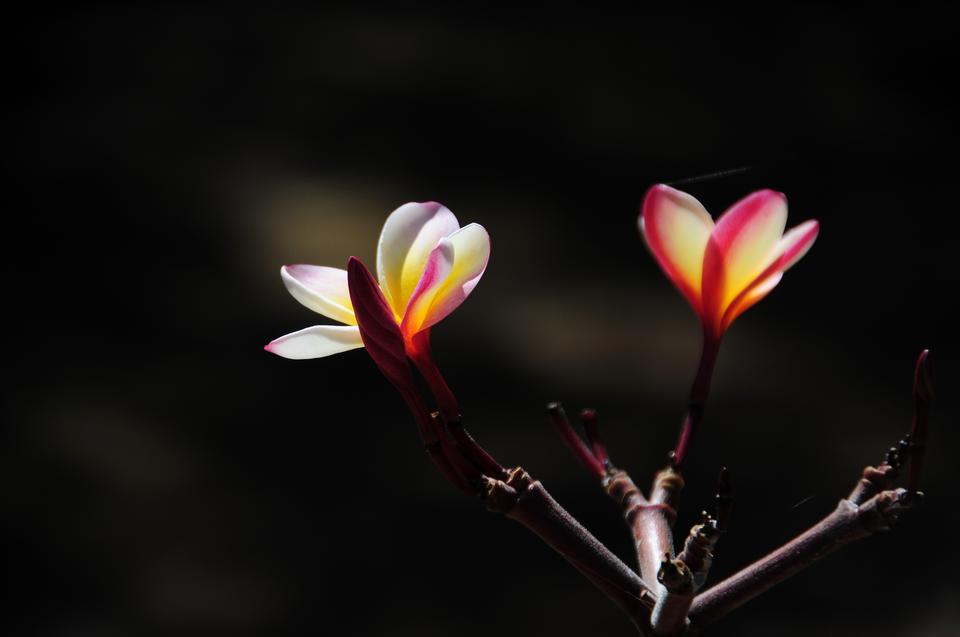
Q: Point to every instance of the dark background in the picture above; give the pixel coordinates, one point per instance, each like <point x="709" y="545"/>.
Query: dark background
<point x="163" y="475"/>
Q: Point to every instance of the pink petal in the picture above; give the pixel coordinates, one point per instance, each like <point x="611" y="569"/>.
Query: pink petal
<point x="792" y="246"/>
<point x="741" y="247"/>
<point x="796" y="242"/>
<point x="676" y="228"/>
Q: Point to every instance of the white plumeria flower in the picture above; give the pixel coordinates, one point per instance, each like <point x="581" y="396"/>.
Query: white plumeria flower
<point x="427" y="265"/>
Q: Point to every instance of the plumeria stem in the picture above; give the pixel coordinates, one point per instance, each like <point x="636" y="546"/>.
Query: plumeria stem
<point x="525" y="500"/>
<point x="421" y="356"/>
<point x="699" y="392"/>
<point x="653" y="522"/>
<point x="437" y="446"/>
<point x="419" y="353"/>
<point x="480" y="457"/>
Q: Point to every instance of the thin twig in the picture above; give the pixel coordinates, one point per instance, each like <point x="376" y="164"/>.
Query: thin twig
<point x="923" y="389"/>
<point x="579" y="448"/>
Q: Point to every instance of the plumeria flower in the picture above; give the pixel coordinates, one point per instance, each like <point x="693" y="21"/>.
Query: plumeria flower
<point x="427" y="265"/>
<point x="723" y="268"/>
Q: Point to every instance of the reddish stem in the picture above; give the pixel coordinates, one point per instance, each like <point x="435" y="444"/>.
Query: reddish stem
<point x="699" y="392"/>
<point x="588" y="418"/>
<point x="418" y="350"/>
<point x="440" y="449"/>
<point x="923" y="388"/>
<point x="579" y="448"/>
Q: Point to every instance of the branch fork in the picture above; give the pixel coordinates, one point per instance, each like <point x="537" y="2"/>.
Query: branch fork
<point x="874" y="505"/>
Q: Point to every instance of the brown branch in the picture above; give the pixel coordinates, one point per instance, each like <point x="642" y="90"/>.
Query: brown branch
<point x="653" y="522"/>
<point x="525" y="500"/>
<point x="650" y="520"/>
<point x="848" y="522"/>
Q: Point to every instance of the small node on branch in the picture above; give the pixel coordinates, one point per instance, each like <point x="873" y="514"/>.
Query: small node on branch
<point x="873" y="480"/>
<point x="667" y="485"/>
<point x="675" y="576"/>
<point x="697" y="551"/>
<point x="669" y="616"/>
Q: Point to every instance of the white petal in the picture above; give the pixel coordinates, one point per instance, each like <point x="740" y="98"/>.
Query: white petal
<point x="410" y="233"/>
<point x="316" y="342"/>
<point x="322" y="289"/>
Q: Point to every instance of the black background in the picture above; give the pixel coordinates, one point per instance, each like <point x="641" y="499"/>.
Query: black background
<point x="163" y="475"/>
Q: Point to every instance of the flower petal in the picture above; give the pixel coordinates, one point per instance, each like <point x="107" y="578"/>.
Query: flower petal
<point x="435" y="274"/>
<point x="792" y="246"/>
<point x="322" y="289"/>
<point x="316" y="342"/>
<point x="676" y="228"/>
<point x="378" y="329"/>
<point x="796" y="242"/>
<point x="410" y="233"/>
<point x="471" y="253"/>
<point x="742" y="245"/>
<point x="749" y="297"/>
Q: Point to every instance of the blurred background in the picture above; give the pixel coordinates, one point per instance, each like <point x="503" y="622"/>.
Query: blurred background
<point x="162" y="474"/>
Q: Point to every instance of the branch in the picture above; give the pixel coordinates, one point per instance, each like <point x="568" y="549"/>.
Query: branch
<point x="873" y="505"/>
<point x="650" y="520"/>
<point x="525" y="500"/>
<point x="848" y="522"/>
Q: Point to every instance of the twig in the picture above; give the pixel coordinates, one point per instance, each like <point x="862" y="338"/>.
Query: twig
<point x="579" y="448"/>
<point x="923" y="389"/>
<point x="588" y="418"/>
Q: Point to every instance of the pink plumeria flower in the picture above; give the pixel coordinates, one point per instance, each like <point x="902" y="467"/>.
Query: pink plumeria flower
<point x="427" y="265"/>
<point x="723" y="268"/>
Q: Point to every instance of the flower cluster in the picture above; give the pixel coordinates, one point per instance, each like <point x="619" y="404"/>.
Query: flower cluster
<point x="427" y="265"/>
